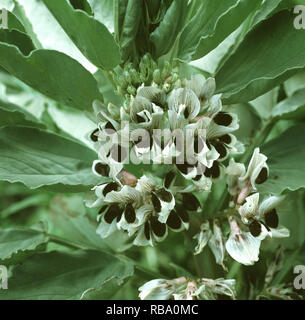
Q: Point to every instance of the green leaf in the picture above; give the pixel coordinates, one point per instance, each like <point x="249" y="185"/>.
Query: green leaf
<point x="252" y="70"/>
<point x="17" y="38"/>
<point x="286" y="156"/>
<point x="103" y="12"/>
<point x="89" y="35"/>
<point x="11" y="114"/>
<point x="38" y="158"/>
<point x="164" y="36"/>
<point x="214" y="21"/>
<point x="265" y="104"/>
<point x="52" y="73"/>
<point x="291" y="108"/>
<point x="14" y="23"/>
<point x="16" y="244"/>
<point x="129" y="20"/>
<point x="65" y="276"/>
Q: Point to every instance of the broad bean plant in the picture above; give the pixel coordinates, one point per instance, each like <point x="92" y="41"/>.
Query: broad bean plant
<point x="152" y="149"/>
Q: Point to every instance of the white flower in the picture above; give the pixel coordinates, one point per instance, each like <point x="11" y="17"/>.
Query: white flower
<point x="216" y="244"/>
<point x="233" y="172"/>
<point x="202" y="237"/>
<point x="157" y="289"/>
<point x="257" y="172"/>
<point x="242" y="246"/>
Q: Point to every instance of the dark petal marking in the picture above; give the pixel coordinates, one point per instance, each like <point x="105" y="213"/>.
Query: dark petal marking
<point x="173" y="221"/>
<point x="102" y="169"/>
<point x="103" y="208"/>
<point x="198" y="144"/>
<point x="184" y="168"/>
<point x="112" y="213"/>
<point x="223" y="119"/>
<point x="186" y="113"/>
<point x="262" y="177"/>
<point x="140" y="119"/>
<point x="157" y="227"/>
<point x="165" y="195"/>
<point x="221" y="149"/>
<point x="93" y="135"/>
<point x="156" y="202"/>
<point x="272" y="219"/>
<point x="147" y="230"/>
<point x="182" y="213"/>
<point x="190" y="201"/>
<point x="130" y="214"/>
<point x="110" y="128"/>
<point x="112" y="186"/>
<point x="197" y="178"/>
<point x="255" y="228"/>
<point x="170" y="176"/>
<point x="213" y="172"/>
<point x="226" y="139"/>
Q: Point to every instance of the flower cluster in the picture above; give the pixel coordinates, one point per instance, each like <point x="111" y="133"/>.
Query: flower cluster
<point x="186" y="126"/>
<point x="187" y="289"/>
<point x="251" y="221"/>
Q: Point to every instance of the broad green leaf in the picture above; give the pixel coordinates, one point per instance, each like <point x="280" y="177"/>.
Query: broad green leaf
<point x="291" y="108"/>
<point x="164" y="36"/>
<point x="295" y="83"/>
<point x="265" y="104"/>
<point x="106" y="291"/>
<point x="214" y="21"/>
<point x="252" y="70"/>
<point x="129" y="20"/>
<point x="286" y="156"/>
<point x="19" y="243"/>
<point x="52" y="73"/>
<point x="17" y="38"/>
<point x="38" y="158"/>
<point x="89" y="35"/>
<point x="69" y="215"/>
<point x="104" y="12"/>
<point x="14" y="23"/>
<point x="65" y="276"/>
<point x="11" y="114"/>
<point x="47" y="33"/>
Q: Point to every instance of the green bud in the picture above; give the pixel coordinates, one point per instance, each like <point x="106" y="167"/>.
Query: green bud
<point x="134" y="76"/>
<point x="114" y="111"/>
<point x="166" y="70"/>
<point x="157" y="76"/>
<point x="132" y="90"/>
<point x="122" y="82"/>
<point x="127" y="77"/>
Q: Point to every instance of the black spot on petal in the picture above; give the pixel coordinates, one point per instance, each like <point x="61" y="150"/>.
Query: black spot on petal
<point x="213" y="172"/>
<point x="186" y="113"/>
<point x="112" y="186"/>
<point x="272" y="219"/>
<point x="118" y="153"/>
<point x="156" y="202"/>
<point x="130" y="214"/>
<point x="174" y="221"/>
<point x="103" y="209"/>
<point x="198" y="144"/>
<point x="226" y="139"/>
<point x="262" y="177"/>
<point x="113" y="212"/>
<point x="184" y="168"/>
<point x="221" y="149"/>
<point x="190" y="202"/>
<point x="182" y="213"/>
<point x="170" y="176"/>
<point x="94" y="136"/>
<point x="165" y="195"/>
<point x="147" y="230"/>
<point x="157" y="227"/>
<point x="140" y="119"/>
<point x="255" y="228"/>
<point x="223" y="119"/>
<point x="102" y="169"/>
